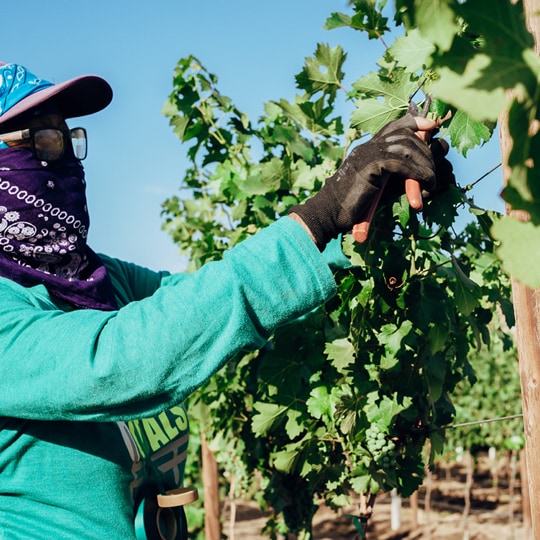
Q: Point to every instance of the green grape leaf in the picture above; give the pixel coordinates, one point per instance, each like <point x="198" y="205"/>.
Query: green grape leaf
<point x="367" y="18"/>
<point x="263" y="178"/>
<point x="436" y="20"/>
<point x="412" y="51"/>
<point x="289" y="137"/>
<point x="424" y="301"/>
<point x="523" y="191"/>
<point x="435" y="374"/>
<point x="341" y="500"/>
<point x="492" y="20"/>
<point x="286" y="460"/>
<point x="467" y="293"/>
<point x="389" y="361"/>
<point x="360" y="484"/>
<point x="312" y="115"/>
<point x="402" y="210"/>
<point x="519" y="249"/>
<point x="295" y="425"/>
<point x="371" y="115"/>
<point x="341" y="353"/>
<point x="348" y="422"/>
<point x="268" y="417"/>
<point x="518" y="196"/>
<point x="306" y="177"/>
<point x="442" y="209"/>
<point x="392" y="336"/>
<point x="260" y="202"/>
<point x="438" y="337"/>
<point x="348" y="411"/>
<point x="437" y="442"/>
<point x="319" y="404"/>
<point x="324" y="71"/>
<point x="465" y="133"/>
<point x="239" y="210"/>
<point x="386" y="409"/>
<point x="515" y="442"/>
<point x="382" y="99"/>
<point x="472" y="90"/>
<point x="337" y="20"/>
<point x="475" y="79"/>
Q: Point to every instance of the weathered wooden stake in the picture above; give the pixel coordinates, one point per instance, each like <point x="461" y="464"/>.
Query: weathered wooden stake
<point x="210" y="474"/>
<point x="525" y="502"/>
<point x="413" y="501"/>
<point x="527" y="310"/>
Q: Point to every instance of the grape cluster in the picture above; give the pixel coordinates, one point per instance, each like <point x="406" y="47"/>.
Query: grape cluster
<point x="381" y="448"/>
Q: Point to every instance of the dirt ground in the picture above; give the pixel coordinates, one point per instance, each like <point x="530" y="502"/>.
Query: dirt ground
<point x="494" y="513"/>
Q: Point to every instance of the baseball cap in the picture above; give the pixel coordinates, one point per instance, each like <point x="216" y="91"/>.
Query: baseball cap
<point x="21" y="91"/>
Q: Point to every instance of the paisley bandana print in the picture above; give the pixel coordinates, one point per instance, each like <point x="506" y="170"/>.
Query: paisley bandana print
<point x="43" y="230"/>
<point x="16" y="83"/>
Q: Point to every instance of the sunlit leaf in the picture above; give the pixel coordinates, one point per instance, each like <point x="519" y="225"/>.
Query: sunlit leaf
<point x="382" y="100"/>
<point x="285" y="460"/>
<point x="467" y="292"/>
<point x="267" y="417"/>
<point x="465" y="133"/>
<point x="341" y="353"/>
<point x="319" y="403"/>
<point x="437" y="21"/>
<point x="412" y="51"/>
<point x="323" y="71"/>
<point x="383" y="412"/>
<point x="519" y="249"/>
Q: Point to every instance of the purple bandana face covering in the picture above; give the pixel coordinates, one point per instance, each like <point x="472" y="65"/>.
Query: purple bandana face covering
<point x="43" y="229"/>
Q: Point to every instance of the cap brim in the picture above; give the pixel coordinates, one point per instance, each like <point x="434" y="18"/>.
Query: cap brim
<point x="77" y="97"/>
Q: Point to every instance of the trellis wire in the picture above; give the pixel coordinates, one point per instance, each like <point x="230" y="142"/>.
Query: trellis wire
<point x="485" y="174"/>
<point x="477" y="422"/>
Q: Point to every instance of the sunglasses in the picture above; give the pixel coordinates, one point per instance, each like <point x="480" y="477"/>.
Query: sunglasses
<point x="48" y="143"/>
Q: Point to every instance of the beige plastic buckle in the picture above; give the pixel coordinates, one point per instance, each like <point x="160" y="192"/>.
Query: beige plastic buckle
<point x="177" y="497"/>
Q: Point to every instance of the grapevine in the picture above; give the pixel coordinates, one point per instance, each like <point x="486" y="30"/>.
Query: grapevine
<point x="341" y="403"/>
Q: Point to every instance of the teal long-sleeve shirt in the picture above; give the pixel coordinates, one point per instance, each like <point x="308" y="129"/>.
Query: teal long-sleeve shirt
<point x="71" y="381"/>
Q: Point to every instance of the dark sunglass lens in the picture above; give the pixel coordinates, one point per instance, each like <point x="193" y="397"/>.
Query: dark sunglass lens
<point x="80" y="145"/>
<point x="48" y="144"/>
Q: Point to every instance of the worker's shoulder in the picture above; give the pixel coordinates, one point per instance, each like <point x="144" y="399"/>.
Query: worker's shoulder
<point x="15" y="296"/>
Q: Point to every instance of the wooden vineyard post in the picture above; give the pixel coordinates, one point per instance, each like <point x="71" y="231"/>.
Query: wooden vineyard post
<point x="527" y="311"/>
<point x="525" y="502"/>
<point x="413" y="501"/>
<point x="212" y="524"/>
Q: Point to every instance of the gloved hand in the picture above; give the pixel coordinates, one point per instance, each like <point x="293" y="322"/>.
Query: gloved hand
<point x="444" y="175"/>
<point x="394" y="153"/>
<point x="444" y="172"/>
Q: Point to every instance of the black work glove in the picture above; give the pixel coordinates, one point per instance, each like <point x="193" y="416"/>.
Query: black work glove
<point x="444" y="175"/>
<point x="394" y="153"/>
<point x="444" y="172"/>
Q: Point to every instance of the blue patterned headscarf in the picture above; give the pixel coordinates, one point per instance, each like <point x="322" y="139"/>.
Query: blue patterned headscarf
<point x="22" y="93"/>
<point x="17" y="83"/>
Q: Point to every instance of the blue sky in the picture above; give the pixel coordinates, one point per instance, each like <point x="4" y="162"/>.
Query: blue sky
<point x="135" y="161"/>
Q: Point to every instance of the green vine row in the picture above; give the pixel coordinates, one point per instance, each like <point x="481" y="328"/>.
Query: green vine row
<point x="341" y="403"/>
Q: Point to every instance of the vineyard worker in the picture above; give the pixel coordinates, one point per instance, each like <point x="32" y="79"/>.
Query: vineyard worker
<point x="96" y="354"/>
